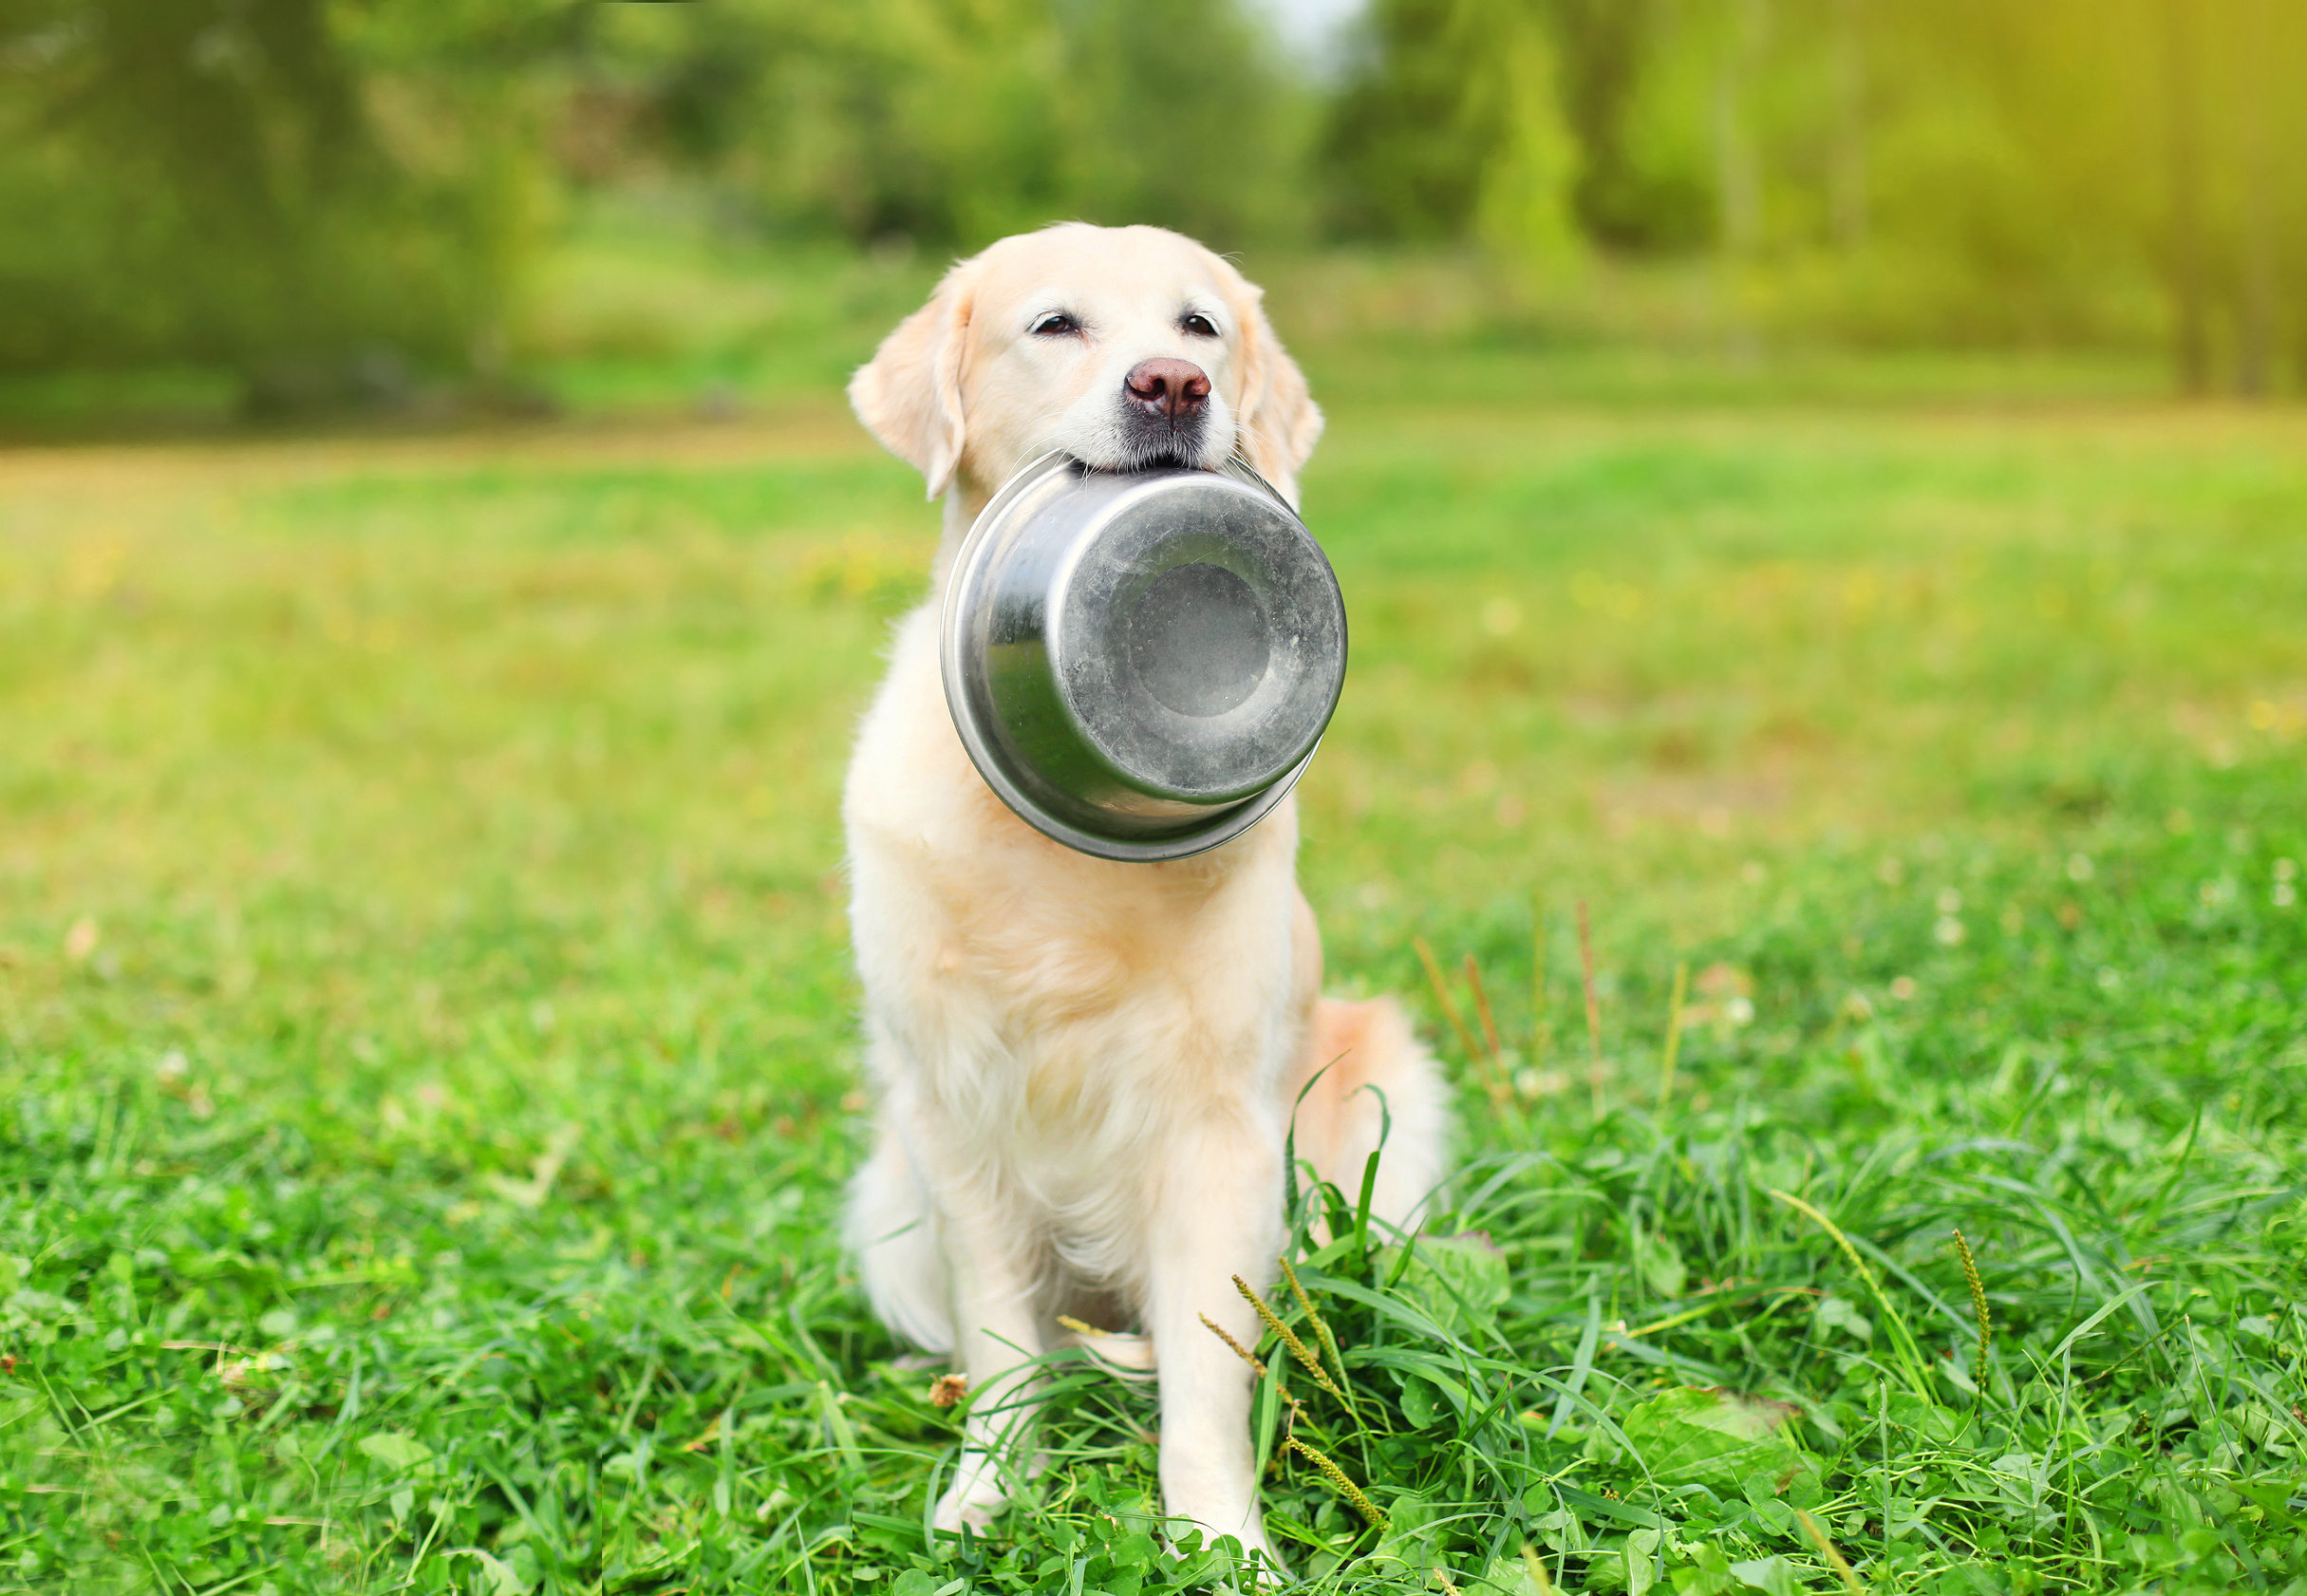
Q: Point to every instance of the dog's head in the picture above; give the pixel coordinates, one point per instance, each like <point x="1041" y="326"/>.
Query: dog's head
<point x="1126" y="347"/>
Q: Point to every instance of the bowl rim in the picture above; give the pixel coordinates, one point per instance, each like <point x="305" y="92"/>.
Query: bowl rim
<point x="986" y="753"/>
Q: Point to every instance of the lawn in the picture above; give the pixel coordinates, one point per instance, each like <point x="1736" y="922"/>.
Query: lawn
<point x="428" y="1062"/>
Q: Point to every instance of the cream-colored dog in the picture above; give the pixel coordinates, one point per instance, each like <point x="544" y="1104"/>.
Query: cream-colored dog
<point x="1087" y="1069"/>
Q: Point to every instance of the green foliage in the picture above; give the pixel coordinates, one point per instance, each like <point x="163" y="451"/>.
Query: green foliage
<point x="238" y="185"/>
<point x="1451" y="129"/>
<point x="336" y="192"/>
<point x="1641" y="184"/>
<point x="1398" y="134"/>
<point x="1179" y="115"/>
<point x="426" y="1040"/>
<point x="952" y="123"/>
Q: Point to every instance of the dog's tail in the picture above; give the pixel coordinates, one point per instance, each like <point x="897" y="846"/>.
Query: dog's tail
<point x="1371" y="1053"/>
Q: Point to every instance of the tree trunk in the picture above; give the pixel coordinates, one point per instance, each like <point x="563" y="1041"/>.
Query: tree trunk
<point x="2255" y="330"/>
<point x="2182" y="78"/>
<point x="1737" y="181"/>
<point x="1737" y="175"/>
<point x="1848" y="199"/>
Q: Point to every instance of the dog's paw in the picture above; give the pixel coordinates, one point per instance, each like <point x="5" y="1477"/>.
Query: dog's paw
<point x="975" y="1496"/>
<point x="1118" y="1352"/>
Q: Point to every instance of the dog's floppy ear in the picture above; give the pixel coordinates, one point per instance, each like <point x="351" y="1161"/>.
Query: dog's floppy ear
<point x="1280" y="420"/>
<point x="909" y="395"/>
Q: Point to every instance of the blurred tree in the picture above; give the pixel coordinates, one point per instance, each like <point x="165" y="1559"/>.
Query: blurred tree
<point x="1847" y="199"/>
<point x="1404" y="165"/>
<point x="2183" y="118"/>
<point x="928" y="120"/>
<point x="203" y="180"/>
<point x="1640" y="188"/>
<point x="1451" y="126"/>
<point x="1739" y="62"/>
<point x="1180" y="115"/>
<point x="952" y="121"/>
<point x="343" y="186"/>
<point x="2259" y="329"/>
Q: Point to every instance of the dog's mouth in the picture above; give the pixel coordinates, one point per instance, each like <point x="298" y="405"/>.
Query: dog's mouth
<point x="1151" y="443"/>
<point x="1161" y="460"/>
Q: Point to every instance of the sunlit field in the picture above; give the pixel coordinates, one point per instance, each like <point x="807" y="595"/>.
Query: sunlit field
<point x="428" y="1048"/>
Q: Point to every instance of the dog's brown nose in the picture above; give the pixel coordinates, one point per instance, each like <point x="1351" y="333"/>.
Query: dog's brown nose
<point x="1168" y="388"/>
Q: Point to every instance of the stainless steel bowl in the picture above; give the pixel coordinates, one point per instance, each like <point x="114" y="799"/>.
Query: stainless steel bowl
<point x="1141" y="664"/>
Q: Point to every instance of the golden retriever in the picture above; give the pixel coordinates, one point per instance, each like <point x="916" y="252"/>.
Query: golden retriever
<point x="1087" y="1069"/>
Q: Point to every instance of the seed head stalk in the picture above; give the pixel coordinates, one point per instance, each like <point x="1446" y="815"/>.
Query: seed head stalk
<point x="1979" y="1307"/>
<point x="1344" y="1487"/>
<point x="1322" y="1333"/>
<point x="1240" y="1351"/>
<point x="1298" y="1349"/>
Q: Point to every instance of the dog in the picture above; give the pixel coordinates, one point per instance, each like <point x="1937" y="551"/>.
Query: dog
<point x="1086" y="1070"/>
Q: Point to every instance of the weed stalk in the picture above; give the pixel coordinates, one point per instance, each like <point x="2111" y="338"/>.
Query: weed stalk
<point x="1586" y="961"/>
<point x="1449" y="1004"/>
<point x="1496" y="1083"/>
<point x="1674" y="1032"/>
<point x="1322" y="1333"/>
<point x="1346" y="1488"/>
<point x="1910" y="1353"/>
<point x="1238" y="1350"/>
<point x="1542" y="1031"/>
<point x="1481" y="998"/>
<point x="1835" y="1560"/>
<point x="1979" y="1307"/>
<point x="1298" y="1349"/>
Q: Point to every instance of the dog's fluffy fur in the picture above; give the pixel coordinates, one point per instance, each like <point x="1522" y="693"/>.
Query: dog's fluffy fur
<point x="1087" y="1069"/>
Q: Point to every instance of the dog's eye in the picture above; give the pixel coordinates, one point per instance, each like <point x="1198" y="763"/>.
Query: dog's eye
<point x="1198" y="324"/>
<point x="1056" y="325"/>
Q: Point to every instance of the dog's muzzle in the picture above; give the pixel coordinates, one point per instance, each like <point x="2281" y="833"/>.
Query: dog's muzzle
<point x="1140" y="664"/>
<point x="1164" y="412"/>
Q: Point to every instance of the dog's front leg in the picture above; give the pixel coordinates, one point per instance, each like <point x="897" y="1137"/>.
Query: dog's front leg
<point x="1218" y="1215"/>
<point x="997" y="1333"/>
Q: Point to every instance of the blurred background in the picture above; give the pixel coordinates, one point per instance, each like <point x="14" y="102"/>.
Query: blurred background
<point x="1821" y="496"/>
<point x="287" y="208"/>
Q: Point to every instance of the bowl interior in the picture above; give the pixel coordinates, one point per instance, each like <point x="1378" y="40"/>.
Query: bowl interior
<point x="1140" y="664"/>
<point x="1196" y="638"/>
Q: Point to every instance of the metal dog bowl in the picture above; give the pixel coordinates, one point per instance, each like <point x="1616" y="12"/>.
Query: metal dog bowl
<point x="1141" y="664"/>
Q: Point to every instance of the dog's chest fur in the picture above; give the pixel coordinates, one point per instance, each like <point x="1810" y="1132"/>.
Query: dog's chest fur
<point x="1054" y="1008"/>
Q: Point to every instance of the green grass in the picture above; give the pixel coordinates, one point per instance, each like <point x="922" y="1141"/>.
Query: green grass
<point x="428" y="1051"/>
